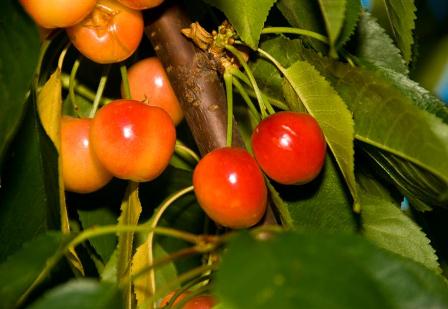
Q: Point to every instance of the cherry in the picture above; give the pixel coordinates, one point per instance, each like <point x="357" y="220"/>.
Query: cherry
<point x="290" y="147"/>
<point x="230" y="187"/>
<point x="141" y="4"/>
<point x="81" y="170"/>
<point x="148" y="82"/>
<point x="133" y="140"/>
<point x="111" y="33"/>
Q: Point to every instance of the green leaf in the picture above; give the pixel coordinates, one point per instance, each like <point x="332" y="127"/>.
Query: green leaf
<point x="324" y="205"/>
<point x="19" y="51"/>
<point x="375" y="46"/>
<point x="323" y="271"/>
<point x="388" y="227"/>
<point x="268" y="78"/>
<point x="401" y="18"/>
<point x="29" y="196"/>
<point x="352" y="13"/>
<point x="412" y="140"/>
<point x="304" y="14"/>
<point x="20" y="270"/>
<point x="324" y="104"/>
<point x="130" y="213"/>
<point x="247" y="17"/>
<point x="334" y="15"/>
<point x="106" y="244"/>
<point x="81" y="293"/>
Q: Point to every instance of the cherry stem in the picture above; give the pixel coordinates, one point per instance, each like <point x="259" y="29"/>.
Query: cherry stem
<point x="183" y="151"/>
<point x="153" y="223"/>
<point x="43" y="50"/>
<point x="262" y="104"/>
<point x="124" y="78"/>
<point x="191" y="295"/>
<point x="229" y="96"/>
<point x="72" y="81"/>
<point x="81" y="89"/>
<point x="100" y="90"/>
<point x="304" y="32"/>
<point x="184" y="288"/>
<point x="273" y="60"/>
<point x="62" y="56"/>
<point x="246" y="99"/>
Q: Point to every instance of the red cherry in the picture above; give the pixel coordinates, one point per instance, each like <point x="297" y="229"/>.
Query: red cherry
<point x="230" y="187"/>
<point x="290" y="147"/>
<point x="133" y="140"/>
<point x="197" y="302"/>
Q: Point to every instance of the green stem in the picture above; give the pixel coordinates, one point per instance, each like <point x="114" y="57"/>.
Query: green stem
<point x="229" y="96"/>
<point x="43" y="50"/>
<point x="186" y="287"/>
<point x="246" y="99"/>
<point x="62" y="56"/>
<point x="185" y="152"/>
<point x="191" y="295"/>
<point x="124" y="78"/>
<point x="273" y="60"/>
<point x="81" y="89"/>
<point x="72" y="81"/>
<point x="304" y="32"/>
<point x="154" y="221"/>
<point x="275" y="102"/>
<point x="100" y="90"/>
<point x="251" y="77"/>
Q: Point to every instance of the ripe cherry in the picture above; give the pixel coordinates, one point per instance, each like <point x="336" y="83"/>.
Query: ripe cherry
<point x="148" y="82"/>
<point x="133" y="140"/>
<point x="81" y="170"/>
<point x="197" y="302"/>
<point x="290" y="147"/>
<point x="111" y="33"/>
<point x="230" y="187"/>
<point x="141" y="4"/>
<point x="58" y="13"/>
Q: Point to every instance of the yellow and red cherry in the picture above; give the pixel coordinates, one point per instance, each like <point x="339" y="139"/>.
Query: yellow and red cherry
<point x="81" y="170"/>
<point x="148" y="82"/>
<point x="133" y="140"/>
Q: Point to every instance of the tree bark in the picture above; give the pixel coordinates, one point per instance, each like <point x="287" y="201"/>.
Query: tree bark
<point x="195" y="80"/>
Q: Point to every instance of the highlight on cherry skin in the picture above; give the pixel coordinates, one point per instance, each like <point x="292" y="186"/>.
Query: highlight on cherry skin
<point x="110" y="34"/>
<point x="290" y="147"/>
<point x="148" y="82"/>
<point x="57" y="13"/>
<point x="81" y="170"/>
<point x="197" y="302"/>
<point x="133" y="140"/>
<point x="141" y="4"/>
<point x="230" y="187"/>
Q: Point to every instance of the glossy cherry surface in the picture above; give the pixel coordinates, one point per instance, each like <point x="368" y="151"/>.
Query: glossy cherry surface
<point x="230" y="187"/>
<point x="290" y="147"/>
<point x="133" y="140"/>
<point x="81" y="170"/>
<point x="148" y="82"/>
<point x="58" y="13"/>
<point x="111" y="33"/>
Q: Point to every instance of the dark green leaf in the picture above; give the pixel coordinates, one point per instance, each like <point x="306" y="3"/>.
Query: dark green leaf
<point x="375" y="46"/>
<point x="388" y="227"/>
<point x="324" y="205"/>
<point x="104" y="245"/>
<point x="20" y="270"/>
<point x="353" y="10"/>
<point x="82" y="293"/>
<point x="29" y="190"/>
<point x="19" y="50"/>
<point x="401" y="18"/>
<point x="304" y="14"/>
<point x="323" y="271"/>
<point x="325" y="104"/>
<point x="334" y="15"/>
<point x="247" y="17"/>
<point x="413" y="140"/>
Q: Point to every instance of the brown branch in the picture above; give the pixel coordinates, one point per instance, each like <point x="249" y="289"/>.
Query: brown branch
<point x="194" y="77"/>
